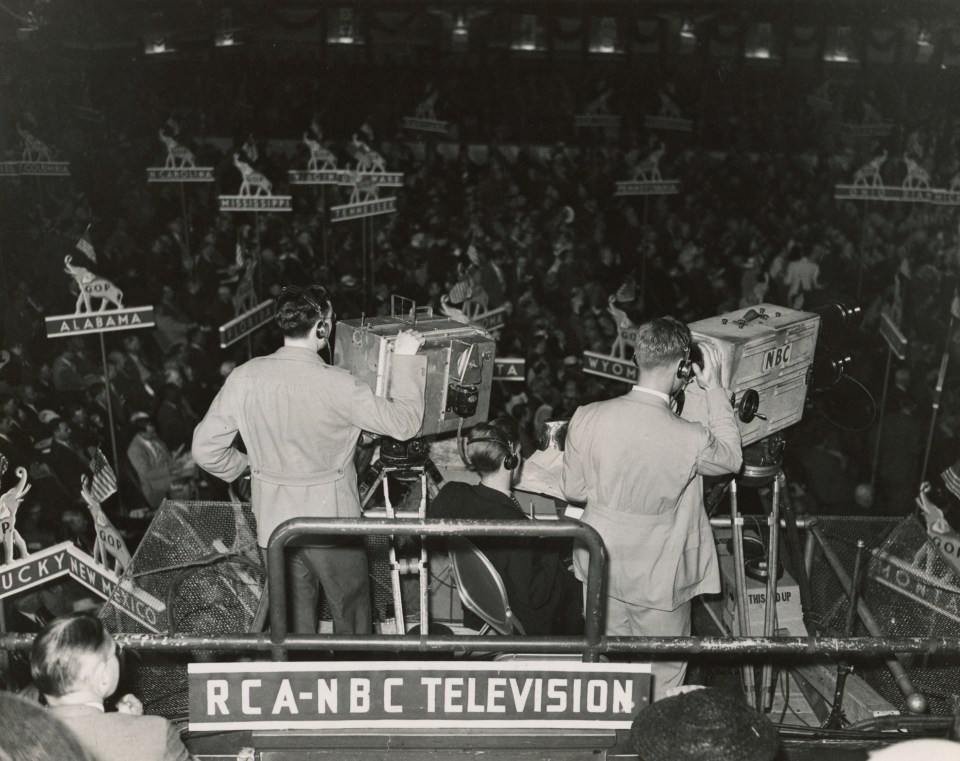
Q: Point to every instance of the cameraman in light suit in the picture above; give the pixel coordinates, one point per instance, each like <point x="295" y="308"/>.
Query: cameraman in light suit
<point x="635" y="464"/>
<point x="300" y="420"/>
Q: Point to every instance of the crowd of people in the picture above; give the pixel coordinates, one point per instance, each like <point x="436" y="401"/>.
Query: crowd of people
<point x="514" y="209"/>
<point x="534" y="228"/>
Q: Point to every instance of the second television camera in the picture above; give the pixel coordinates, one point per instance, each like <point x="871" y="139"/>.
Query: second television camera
<point x="772" y="356"/>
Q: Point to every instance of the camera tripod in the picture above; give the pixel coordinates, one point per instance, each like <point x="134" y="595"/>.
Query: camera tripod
<point x="762" y="472"/>
<point x="407" y="460"/>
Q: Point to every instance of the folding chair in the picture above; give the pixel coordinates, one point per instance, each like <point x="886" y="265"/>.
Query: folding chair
<point x="481" y="588"/>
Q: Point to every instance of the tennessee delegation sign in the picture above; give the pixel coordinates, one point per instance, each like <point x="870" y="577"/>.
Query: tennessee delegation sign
<point x="451" y="694"/>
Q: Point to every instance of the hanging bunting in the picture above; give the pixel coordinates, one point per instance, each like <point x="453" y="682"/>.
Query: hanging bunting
<point x="646" y="36"/>
<point x="803" y="42"/>
<point x="882" y="44"/>
<point x="725" y="38"/>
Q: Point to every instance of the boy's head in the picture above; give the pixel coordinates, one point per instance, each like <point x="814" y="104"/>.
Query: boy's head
<point x="74" y="653"/>
<point x="492" y="446"/>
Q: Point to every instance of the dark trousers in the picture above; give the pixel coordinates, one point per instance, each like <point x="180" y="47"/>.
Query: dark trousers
<point x="342" y="572"/>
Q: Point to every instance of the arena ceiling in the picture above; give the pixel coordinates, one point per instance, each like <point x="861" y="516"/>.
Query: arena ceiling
<point x="115" y="22"/>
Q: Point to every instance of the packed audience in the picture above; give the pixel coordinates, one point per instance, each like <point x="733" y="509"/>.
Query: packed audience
<point x="520" y="213"/>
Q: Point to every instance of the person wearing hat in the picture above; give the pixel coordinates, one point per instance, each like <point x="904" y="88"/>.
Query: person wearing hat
<point x="300" y="419"/>
<point x="635" y="463"/>
<point x="703" y="724"/>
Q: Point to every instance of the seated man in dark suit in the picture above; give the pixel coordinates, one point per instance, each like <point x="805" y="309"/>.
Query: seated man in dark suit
<point x="74" y="665"/>
<point x="543" y="594"/>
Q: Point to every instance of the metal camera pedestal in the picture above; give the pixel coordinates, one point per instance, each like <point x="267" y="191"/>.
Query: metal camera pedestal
<point x="409" y="460"/>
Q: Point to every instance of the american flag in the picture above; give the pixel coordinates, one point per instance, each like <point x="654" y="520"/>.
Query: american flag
<point x="951" y="478"/>
<point x="461" y="291"/>
<point x="104" y="481"/>
<point x="627" y="292"/>
<point x="85" y="245"/>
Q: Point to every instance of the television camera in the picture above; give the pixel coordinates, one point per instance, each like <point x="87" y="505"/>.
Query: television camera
<point x="772" y="357"/>
<point x="459" y="378"/>
<point x="460" y="359"/>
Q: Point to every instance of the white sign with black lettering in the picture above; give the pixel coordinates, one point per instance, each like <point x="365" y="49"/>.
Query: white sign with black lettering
<point x="437" y="694"/>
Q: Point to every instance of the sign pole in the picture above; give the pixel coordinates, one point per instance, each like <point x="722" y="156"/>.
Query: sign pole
<point x="113" y="435"/>
<point x="186" y="224"/>
<point x="363" y="248"/>
<point x="643" y="261"/>
<point x="256" y="220"/>
<point x="863" y="233"/>
<point x="937" y="396"/>
<point x="883" y="409"/>
<point x="373" y="253"/>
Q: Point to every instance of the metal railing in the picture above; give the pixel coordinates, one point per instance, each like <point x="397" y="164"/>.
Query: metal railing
<point x="590" y="644"/>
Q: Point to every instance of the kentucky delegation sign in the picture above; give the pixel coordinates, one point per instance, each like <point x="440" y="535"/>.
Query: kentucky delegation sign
<point x="451" y="694"/>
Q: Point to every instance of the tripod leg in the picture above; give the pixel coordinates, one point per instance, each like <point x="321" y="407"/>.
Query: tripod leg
<point x="394" y="565"/>
<point x="770" y="609"/>
<point x="740" y="583"/>
<point x="424" y="566"/>
<point x="372" y="477"/>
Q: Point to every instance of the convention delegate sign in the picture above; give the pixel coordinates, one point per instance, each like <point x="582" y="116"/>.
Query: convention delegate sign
<point x="647" y="180"/>
<point x="246" y="323"/>
<point x="424" y="118"/>
<point x="868" y="185"/>
<point x="251" y="313"/>
<point x="596" y="114"/>
<point x="256" y="192"/>
<point x="180" y="165"/>
<point x="613" y="368"/>
<point x="669" y="117"/>
<point x="85" y="320"/>
<point x="364" y="200"/>
<point x="615" y="365"/>
<point x="66" y="559"/>
<point x="35" y="161"/>
<point x="510" y="369"/>
<point x="321" y="166"/>
<point x="448" y="694"/>
<point x="917" y="570"/>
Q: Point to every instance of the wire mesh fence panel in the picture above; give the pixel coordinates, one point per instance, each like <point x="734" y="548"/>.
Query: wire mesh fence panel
<point x="910" y="590"/>
<point x="197" y="571"/>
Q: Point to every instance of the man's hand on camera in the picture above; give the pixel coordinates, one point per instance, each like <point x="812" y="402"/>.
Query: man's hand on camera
<point x="709" y="375"/>
<point x="408" y="342"/>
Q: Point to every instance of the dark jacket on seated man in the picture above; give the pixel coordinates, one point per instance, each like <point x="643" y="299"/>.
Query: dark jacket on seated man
<point x="543" y="594"/>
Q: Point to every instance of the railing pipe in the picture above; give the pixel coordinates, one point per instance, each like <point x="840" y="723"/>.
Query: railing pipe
<point x="732" y="647"/>
<point x="297" y="528"/>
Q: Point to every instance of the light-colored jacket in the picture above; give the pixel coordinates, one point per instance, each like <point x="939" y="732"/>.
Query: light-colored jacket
<point x="154" y="466"/>
<point x="635" y="463"/>
<point x="121" y="736"/>
<point x="300" y="419"/>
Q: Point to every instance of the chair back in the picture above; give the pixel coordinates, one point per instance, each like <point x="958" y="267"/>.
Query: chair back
<point x="480" y="587"/>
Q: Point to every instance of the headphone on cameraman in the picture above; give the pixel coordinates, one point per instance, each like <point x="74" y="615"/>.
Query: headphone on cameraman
<point x="322" y="312"/>
<point x="510" y="460"/>
<point x="685" y="365"/>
